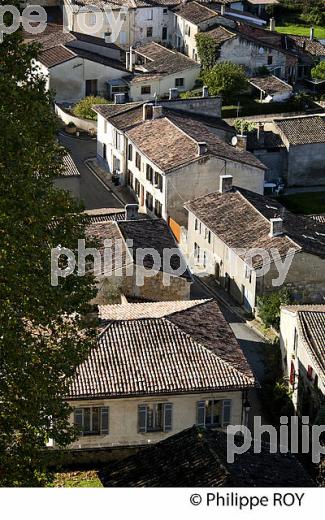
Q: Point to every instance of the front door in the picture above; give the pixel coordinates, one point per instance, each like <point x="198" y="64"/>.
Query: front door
<point x="91" y="87"/>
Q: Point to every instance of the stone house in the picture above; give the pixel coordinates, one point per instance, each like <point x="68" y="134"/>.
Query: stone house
<point x="138" y="258"/>
<point x="233" y="233"/>
<point x="302" y="340"/>
<point x="157" y="369"/>
<point x="157" y="69"/>
<point x="304" y="140"/>
<point x="154" y="148"/>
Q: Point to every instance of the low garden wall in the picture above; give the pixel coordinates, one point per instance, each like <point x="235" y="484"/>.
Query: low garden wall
<point x="82" y="124"/>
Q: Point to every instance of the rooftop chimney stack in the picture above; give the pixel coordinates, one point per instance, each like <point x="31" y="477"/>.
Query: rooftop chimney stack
<point x="272" y="24"/>
<point x="147" y="111"/>
<point x="157" y="111"/>
<point x="222" y="9"/>
<point x="260" y="133"/>
<point x="127" y="60"/>
<point x="205" y="92"/>
<point x="312" y="34"/>
<point x="132" y="211"/>
<point x="225" y="183"/>
<point x="173" y="93"/>
<point x="202" y="148"/>
<point x="276" y="227"/>
<point x="130" y="59"/>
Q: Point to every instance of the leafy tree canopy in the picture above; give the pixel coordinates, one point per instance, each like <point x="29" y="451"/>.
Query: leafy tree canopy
<point x="84" y="109"/>
<point x="225" y="78"/>
<point x="318" y="72"/>
<point x="208" y="50"/>
<point x="44" y="329"/>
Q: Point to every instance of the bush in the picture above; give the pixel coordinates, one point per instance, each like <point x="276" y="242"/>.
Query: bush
<point x="84" y="109"/>
<point x="243" y="126"/>
<point x="318" y="72"/>
<point x="269" y="307"/>
<point x="225" y="78"/>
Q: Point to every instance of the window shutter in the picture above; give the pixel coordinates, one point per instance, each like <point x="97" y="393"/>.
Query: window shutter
<point x="200" y="413"/>
<point x="168" y="417"/>
<point x="292" y="373"/>
<point x="226" y="412"/>
<point x="142" y="418"/>
<point x="104" y="415"/>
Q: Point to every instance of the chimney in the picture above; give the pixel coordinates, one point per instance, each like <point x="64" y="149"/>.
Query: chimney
<point x="222" y="9"/>
<point x="272" y="24"/>
<point x="173" y="93"/>
<point x="260" y="133"/>
<point x="147" y="111"/>
<point x="312" y="34"/>
<point x="157" y="111"/>
<point x="127" y="60"/>
<point x="241" y="142"/>
<point x="132" y="211"/>
<point x="119" y="98"/>
<point x="276" y="227"/>
<point x="225" y="183"/>
<point x="205" y="92"/>
<point x="202" y="148"/>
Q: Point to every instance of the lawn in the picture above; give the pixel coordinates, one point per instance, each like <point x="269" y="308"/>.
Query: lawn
<point x="302" y="30"/>
<point x="84" y="479"/>
<point x="306" y="203"/>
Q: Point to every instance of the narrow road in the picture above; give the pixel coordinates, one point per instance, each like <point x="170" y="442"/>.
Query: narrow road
<point x="93" y="193"/>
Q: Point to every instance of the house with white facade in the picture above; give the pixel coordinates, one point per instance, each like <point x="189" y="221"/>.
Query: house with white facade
<point x="156" y="69"/>
<point x="233" y="233"/>
<point x="157" y="369"/>
<point x="166" y="156"/>
<point x="302" y="341"/>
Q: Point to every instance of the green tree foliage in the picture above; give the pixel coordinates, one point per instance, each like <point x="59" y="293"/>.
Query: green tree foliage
<point x="44" y="329"/>
<point x="208" y="50"/>
<point x="226" y="79"/>
<point x="269" y="307"/>
<point x="244" y="126"/>
<point x="318" y="72"/>
<point x="84" y="109"/>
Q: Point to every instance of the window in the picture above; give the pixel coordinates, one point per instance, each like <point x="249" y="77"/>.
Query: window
<point x="196" y="252"/>
<point x="292" y="374"/>
<point x="205" y="259"/>
<point x="295" y="341"/>
<point x="149" y="32"/>
<point x="137" y="187"/>
<point x="213" y="412"/>
<point x="164" y="33"/>
<point x="310" y="373"/>
<point x="248" y="273"/>
<point x="158" y="181"/>
<point x="116" y="163"/>
<point x="129" y="178"/>
<point x="150" y="14"/>
<point x="138" y="160"/>
<point x="196" y="224"/>
<point x="269" y="60"/>
<point x="130" y="152"/>
<point x="179" y="82"/>
<point x="156" y="417"/>
<point x="146" y="89"/>
<point x="149" y="201"/>
<point x="158" y="209"/>
<point x="165" y="11"/>
<point x="149" y="173"/>
<point x="117" y="140"/>
<point x="92" y="420"/>
<point x="187" y="30"/>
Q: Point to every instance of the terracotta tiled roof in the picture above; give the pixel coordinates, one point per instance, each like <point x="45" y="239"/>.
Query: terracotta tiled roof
<point x="195" y="12"/>
<point x="104" y="214"/>
<point x="198" y="458"/>
<point x="164" y="61"/>
<point x="302" y="130"/>
<point x="314" y="47"/>
<point x="318" y="218"/>
<point x="312" y="324"/>
<point x="263" y="2"/>
<point x="122" y="116"/>
<point x="241" y="220"/>
<point x="135" y="311"/>
<point x="270" y="84"/>
<point x="188" y="351"/>
<point x="55" y="56"/>
<point x="221" y="34"/>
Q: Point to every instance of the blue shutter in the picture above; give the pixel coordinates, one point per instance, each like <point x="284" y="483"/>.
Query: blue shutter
<point x="104" y="420"/>
<point x="168" y="417"/>
<point x="226" y="412"/>
<point x="142" y="418"/>
<point x="200" y="413"/>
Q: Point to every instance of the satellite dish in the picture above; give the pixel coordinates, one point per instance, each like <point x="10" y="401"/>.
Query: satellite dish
<point x="261" y="50"/>
<point x="234" y="140"/>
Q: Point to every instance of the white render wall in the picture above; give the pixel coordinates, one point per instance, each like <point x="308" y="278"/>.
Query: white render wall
<point x="123" y="418"/>
<point x="106" y="135"/>
<point x="161" y="86"/>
